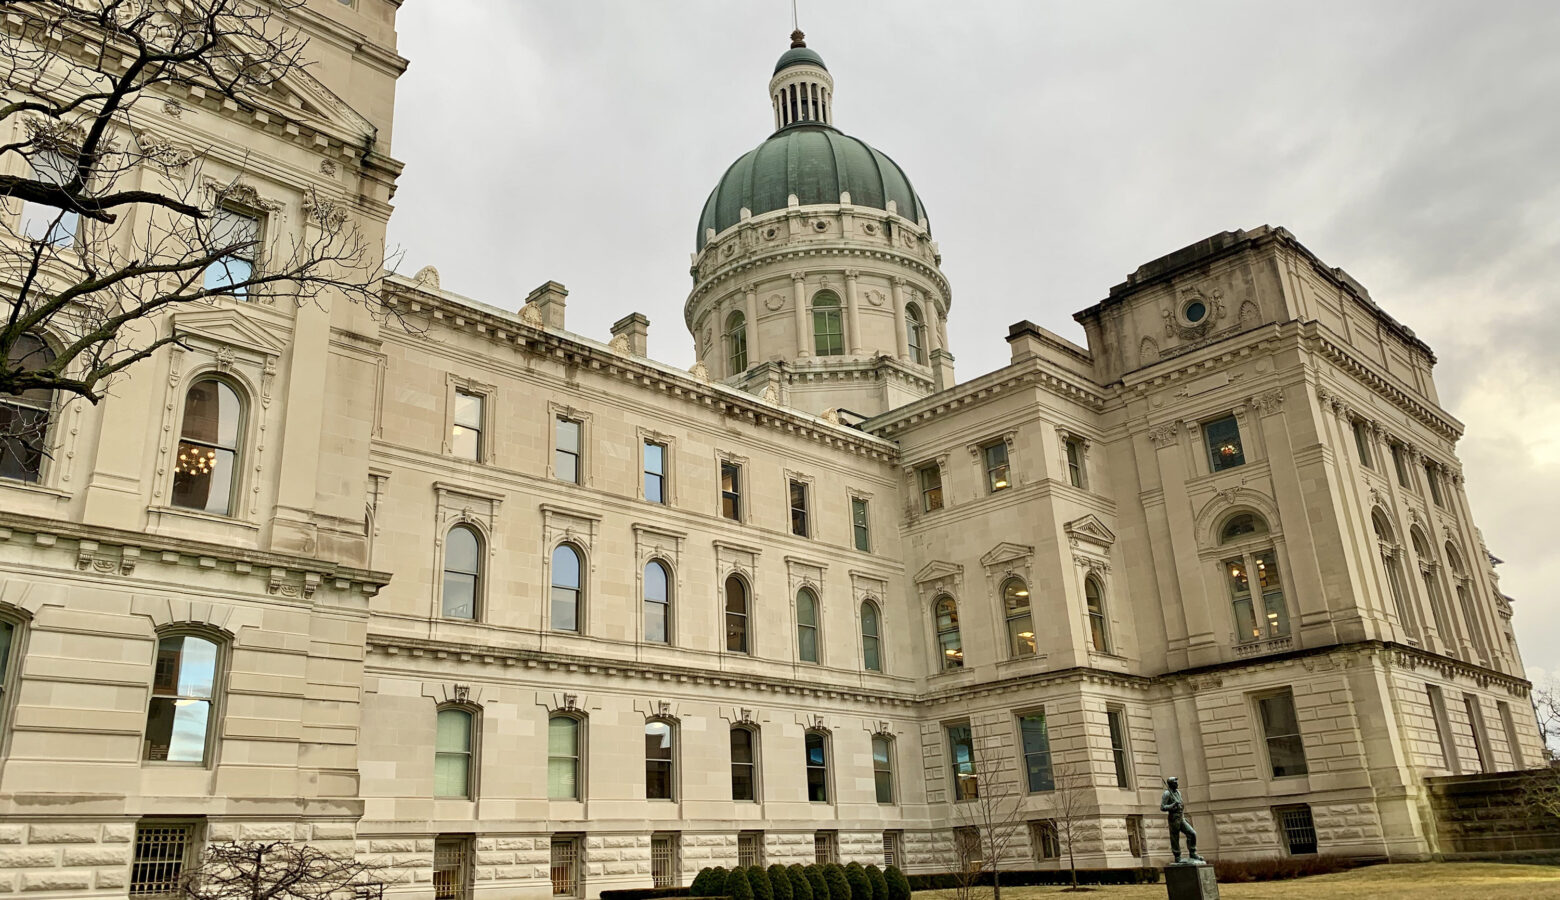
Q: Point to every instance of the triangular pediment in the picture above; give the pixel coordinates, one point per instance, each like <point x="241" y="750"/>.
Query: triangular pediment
<point x="1090" y="528"/>
<point x="1006" y="552"/>
<point x="937" y="569"/>
<point x="299" y="95"/>
<point x="228" y="326"/>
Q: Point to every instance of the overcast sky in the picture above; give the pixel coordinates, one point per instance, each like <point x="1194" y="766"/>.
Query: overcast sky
<point x="1057" y="146"/>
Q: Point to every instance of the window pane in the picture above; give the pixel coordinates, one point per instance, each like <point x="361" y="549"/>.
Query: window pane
<point x="461" y="552"/>
<point x="807" y="642"/>
<point x="7" y="638"/>
<point x="1117" y="720"/>
<point x="961" y="750"/>
<point x="1037" y="752"/>
<point x="565" y="567"/>
<point x="569" y="435"/>
<point x="563" y="758"/>
<point x="565" y="609"/>
<point x="655" y="622"/>
<point x="996" y="467"/>
<point x="1275" y="613"/>
<point x="460" y="596"/>
<point x="25" y="432"/>
<point x="949" y="644"/>
<point x="658" y="761"/>
<point x="1224" y="447"/>
<point x="196" y="666"/>
<point x="858" y="517"/>
<point x="176" y="729"/>
<point x="883" y="770"/>
<point x="454" y="731"/>
<point x="450" y="775"/>
<point x="655" y="582"/>
<point x="468" y="410"/>
<point x="464" y="442"/>
<point x="806" y="609"/>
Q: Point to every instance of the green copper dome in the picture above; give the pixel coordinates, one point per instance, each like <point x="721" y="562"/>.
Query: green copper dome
<point x="816" y="163"/>
<point x="799" y="56"/>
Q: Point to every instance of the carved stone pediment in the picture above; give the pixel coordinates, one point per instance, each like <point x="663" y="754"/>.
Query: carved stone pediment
<point x="1006" y="552"/>
<point x="937" y="569"/>
<point x="227" y="326"/>
<point x="1090" y="529"/>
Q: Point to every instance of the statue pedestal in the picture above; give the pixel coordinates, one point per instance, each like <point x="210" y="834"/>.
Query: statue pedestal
<point x="1191" y="883"/>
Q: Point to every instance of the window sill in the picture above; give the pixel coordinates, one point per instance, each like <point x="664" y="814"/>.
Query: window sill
<point x="176" y="521"/>
<point x="1264" y="647"/>
<point x="33" y="487"/>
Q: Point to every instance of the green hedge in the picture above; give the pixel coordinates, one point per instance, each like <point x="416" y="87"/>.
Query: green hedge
<point x="942" y="881"/>
<point x="649" y="893"/>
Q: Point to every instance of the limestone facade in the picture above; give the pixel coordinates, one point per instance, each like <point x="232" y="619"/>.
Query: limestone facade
<point x="474" y="559"/>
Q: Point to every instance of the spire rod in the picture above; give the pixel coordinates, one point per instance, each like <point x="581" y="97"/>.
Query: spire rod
<point x="797" y="38"/>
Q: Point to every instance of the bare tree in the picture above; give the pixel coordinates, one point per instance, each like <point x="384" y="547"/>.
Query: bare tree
<point x="1546" y="707"/>
<point x="989" y="813"/>
<point x="119" y="223"/>
<point x="280" y="870"/>
<point x="1070" y="803"/>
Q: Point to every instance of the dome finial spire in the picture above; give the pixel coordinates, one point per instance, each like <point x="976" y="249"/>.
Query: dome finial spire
<point x="798" y="39"/>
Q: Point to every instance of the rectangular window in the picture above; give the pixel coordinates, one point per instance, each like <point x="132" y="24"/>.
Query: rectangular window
<point x="566" y="867"/>
<point x="655" y="472"/>
<point x="859" y="524"/>
<point x="961" y="757"/>
<point x="452" y="868"/>
<point x="1510" y="727"/>
<point x="1037" y="752"/>
<point x="1481" y="740"/>
<point x="1400" y="463"/>
<point x="663" y="860"/>
<point x="892" y="841"/>
<point x="750" y="848"/>
<point x="931" y="487"/>
<point x="1136" y="845"/>
<point x="744" y="781"/>
<point x="799" y="508"/>
<point x="1362" y="442"/>
<point x="1074" y="462"/>
<point x="826" y="848"/>
<point x="1443" y="729"/>
<point x="1435" y="484"/>
<point x="966" y="841"/>
<point x="237" y="235"/>
<point x="466" y="435"/>
<point x="1297" y="829"/>
<point x="1116" y="718"/>
<point x="731" y="491"/>
<point x="161" y="852"/>
<point x="1281" y="728"/>
<point x="1224" y="447"/>
<point x="996" y="457"/>
<point x="566" y="460"/>
<point x="1043" y="837"/>
<point x="1274" y="614"/>
<point x="52" y="225"/>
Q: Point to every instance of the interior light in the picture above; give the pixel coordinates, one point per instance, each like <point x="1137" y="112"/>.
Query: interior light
<point x="1021" y="592"/>
<point x="1026" y="635"/>
<point x="1001" y="484"/>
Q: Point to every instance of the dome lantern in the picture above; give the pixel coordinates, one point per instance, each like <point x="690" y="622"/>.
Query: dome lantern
<point x="802" y="89"/>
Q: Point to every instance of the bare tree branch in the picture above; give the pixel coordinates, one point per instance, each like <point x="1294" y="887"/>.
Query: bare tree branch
<point x="280" y="870"/>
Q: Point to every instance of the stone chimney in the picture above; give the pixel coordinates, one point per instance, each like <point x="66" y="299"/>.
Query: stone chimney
<point x="549" y="302"/>
<point x="636" y="329"/>
<point x="1025" y="340"/>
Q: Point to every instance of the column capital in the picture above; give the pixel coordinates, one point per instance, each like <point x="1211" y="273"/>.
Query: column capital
<point x="798" y="277"/>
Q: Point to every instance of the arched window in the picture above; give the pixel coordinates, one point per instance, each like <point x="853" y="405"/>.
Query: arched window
<point x="915" y="333"/>
<point x="563" y="756"/>
<point x="817" y="744"/>
<point x="658" y="603"/>
<point x="871" y="637"/>
<point x="736" y="344"/>
<point x="806" y="626"/>
<point x="565" y="588"/>
<point x="205" y="474"/>
<point x="1094" y="601"/>
<point x="951" y="648"/>
<point x="1460" y="582"/>
<point x="24" y="417"/>
<point x="736" y="615"/>
<point x="660" y="775"/>
<point x="10" y="645"/>
<point x="452" y="754"/>
<point x="1256" y="618"/>
<point x="1391" y="559"/>
<point x="744" y="763"/>
<point x="184" y="689"/>
<point x="462" y="572"/>
<point x="828" y="327"/>
<point x="883" y="767"/>
<point x="1427" y="567"/>
<point x="1020" y="623"/>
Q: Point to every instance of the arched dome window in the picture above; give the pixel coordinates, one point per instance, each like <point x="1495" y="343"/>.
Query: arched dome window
<point x="828" y="325"/>
<point x="915" y="334"/>
<point x="736" y="344"/>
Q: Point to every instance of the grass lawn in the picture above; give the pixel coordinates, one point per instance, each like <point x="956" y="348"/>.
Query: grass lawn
<point x="1417" y="881"/>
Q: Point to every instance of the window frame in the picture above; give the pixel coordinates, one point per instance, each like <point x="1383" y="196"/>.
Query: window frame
<point x="932" y="495"/>
<point x="217" y="702"/>
<point x="1015" y="618"/>
<point x="826" y="846"/>
<point x="1237" y="458"/>
<point x="915" y="334"/>
<point x="57" y="234"/>
<point x="1400" y="464"/>
<point x="1241" y="554"/>
<point x="947" y="661"/>
<point x="577" y="456"/>
<point x="256" y="254"/>
<point x="1118" y="728"/>
<point x="479" y="448"/>
<point x="479" y="577"/>
<point x="1044" y="840"/>
<point x="1433" y="470"/>
<point x="672" y="841"/>
<point x="731" y="499"/>
<point x="1362" y="443"/>
<point x="736" y="343"/>
<point x="581" y="726"/>
<point x="647" y="602"/>
<point x="752" y="765"/>
<point x="798" y="489"/>
<point x="1073" y="459"/>
<point x="670" y="762"/>
<point x="663" y="482"/>
<point x="574" y="845"/>
<point x="804" y="629"/>
<point x="11" y="656"/>
<point x="827" y="310"/>
<point x="23" y="405"/>
<point x="885" y="772"/>
<point x="746" y="614"/>
<point x="861" y="524"/>
<point x="470" y="753"/>
<point x="825" y="782"/>
<point x="756" y="838"/>
<point x="999" y="473"/>
<point x="1094" y="609"/>
<point x="1137" y="843"/>
<point x="236" y="481"/>
<point x="969" y="788"/>
<point x="580" y="604"/>
<point x="1048" y="782"/>
<point x="1268" y="738"/>
<point x="871" y="661"/>
<point x="189" y="852"/>
<point x="1285" y="831"/>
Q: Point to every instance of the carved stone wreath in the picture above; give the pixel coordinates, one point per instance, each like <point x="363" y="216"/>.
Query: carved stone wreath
<point x="774" y="302"/>
<point x="1177" y="327"/>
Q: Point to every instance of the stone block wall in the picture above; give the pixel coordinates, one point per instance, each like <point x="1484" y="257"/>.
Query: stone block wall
<point x="1484" y="817"/>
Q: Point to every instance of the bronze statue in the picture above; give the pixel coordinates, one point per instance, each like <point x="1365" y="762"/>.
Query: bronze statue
<point x="1174" y="807"/>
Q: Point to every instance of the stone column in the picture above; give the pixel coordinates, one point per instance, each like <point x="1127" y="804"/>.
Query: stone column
<point x="799" y="300"/>
<point x="931" y="316"/>
<point x="750" y="295"/>
<point x="902" y="347"/>
<point x="852" y="312"/>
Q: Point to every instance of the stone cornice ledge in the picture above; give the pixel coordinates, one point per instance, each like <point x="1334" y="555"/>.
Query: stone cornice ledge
<point x="111" y="550"/>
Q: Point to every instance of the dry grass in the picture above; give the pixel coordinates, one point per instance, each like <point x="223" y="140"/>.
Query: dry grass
<point x="1418" y="881"/>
